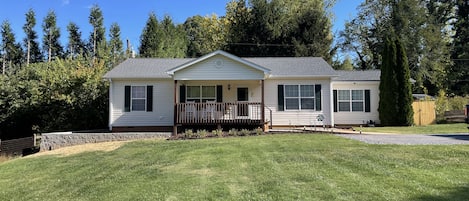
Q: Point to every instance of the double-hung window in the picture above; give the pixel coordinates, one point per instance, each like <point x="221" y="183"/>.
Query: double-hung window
<point x="138" y="98"/>
<point x="299" y="97"/>
<point x="201" y="93"/>
<point x="351" y="100"/>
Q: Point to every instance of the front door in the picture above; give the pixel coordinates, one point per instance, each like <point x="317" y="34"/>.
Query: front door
<point x="243" y="98"/>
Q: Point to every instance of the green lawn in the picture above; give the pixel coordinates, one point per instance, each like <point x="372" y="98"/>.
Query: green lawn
<point x="269" y="167"/>
<point x="430" y="129"/>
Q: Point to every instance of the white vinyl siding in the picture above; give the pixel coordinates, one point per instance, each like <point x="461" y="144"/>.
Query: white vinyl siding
<point x="356" y="114"/>
<point x="163" y="108"/>
<point x="297" y="117"/>
<point x="219" y="67"/>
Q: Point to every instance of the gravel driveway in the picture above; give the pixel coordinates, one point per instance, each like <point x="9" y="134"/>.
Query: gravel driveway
<point x="445" y="139"/>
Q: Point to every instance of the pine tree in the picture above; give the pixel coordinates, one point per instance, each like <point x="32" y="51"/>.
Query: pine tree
<point x="404" y="88"/>
<point x="50" y="40"/>
<point x="459" y="73"/>
<point x="76" y="46"/>
<point x="97" y="37"/>
<point x="150" y="38"/>
<point x="115" y="43"/>
<point x="33" y="53"/>
<point x="388" y="85"/>
<point x="10" y="50"/>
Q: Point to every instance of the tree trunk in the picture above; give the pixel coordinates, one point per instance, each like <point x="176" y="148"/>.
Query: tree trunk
<point x="29" y="50"/>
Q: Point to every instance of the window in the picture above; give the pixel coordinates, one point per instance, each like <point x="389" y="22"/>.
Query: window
<point x="201" y="93"/>
<point x="138" y="98"/>
<point x="351" y="100"/>
<point x="299" y="97"/>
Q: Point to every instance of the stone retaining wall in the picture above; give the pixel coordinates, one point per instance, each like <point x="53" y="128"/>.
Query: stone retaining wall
<point x="50" y="141"/>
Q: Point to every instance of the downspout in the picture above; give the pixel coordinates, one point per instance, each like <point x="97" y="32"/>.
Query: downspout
<point x="110" y="104"/>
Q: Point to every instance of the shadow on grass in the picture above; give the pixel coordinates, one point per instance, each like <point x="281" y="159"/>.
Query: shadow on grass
<point x="459" y="193"/>
<point x="456" y="137"/>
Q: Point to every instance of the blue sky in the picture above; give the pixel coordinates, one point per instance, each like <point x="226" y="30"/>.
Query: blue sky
<point x="130" y="15"/>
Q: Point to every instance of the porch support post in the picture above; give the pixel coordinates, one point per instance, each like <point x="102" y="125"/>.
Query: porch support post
<point x="262" y="106"/>
<point x="175" y="127"/>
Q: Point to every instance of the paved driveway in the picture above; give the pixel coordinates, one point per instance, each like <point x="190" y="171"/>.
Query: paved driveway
<point x="410" y="139"/>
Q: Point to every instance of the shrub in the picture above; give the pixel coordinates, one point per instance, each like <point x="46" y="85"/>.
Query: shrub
<point x="218" y="132"/>
<point x="202" y="133"/>
<point x="233" y="132"/>
<point x="188" y="133"/>
<point x="259" y="131"/>
<point x="244" y="132"/>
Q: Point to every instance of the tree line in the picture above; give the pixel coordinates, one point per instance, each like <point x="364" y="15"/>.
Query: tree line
<point x="434" y="33"/>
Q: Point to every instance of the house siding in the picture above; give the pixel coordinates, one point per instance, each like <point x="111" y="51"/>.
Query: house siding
<point x="304" y="117"/>
<point x="356" y="118"/>
<point x="228" y="70"/>
<point x="163" y="108"/>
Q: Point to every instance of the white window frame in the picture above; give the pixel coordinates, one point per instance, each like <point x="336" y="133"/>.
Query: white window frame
<point x="299" y="97"/>
<point x="350" y="101"/>
<point x="201" y="97"/>
<point x="132" y="98"/>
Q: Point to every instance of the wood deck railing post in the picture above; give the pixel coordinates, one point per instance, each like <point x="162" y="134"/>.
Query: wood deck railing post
<point x="262" y="105"/>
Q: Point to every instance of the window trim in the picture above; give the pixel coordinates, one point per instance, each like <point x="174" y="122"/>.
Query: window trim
<point x="201" y="98"/>
<point x="132" y="98"/>
<point x="299" y="97"/>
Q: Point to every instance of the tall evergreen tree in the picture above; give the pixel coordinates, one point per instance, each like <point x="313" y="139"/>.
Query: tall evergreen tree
<point x="76" y="46"/>
<point x="404" y="89"/>
<point x="388" y="86"/>
<point x="459" y="73"/>
<point x="150" y="38"/>
<point x="10" y="50"/>
<point x="33" y="53"/>
<point x="50" y="40"/>
<point x="115" y="43"/>
<point x="97" y="37"/>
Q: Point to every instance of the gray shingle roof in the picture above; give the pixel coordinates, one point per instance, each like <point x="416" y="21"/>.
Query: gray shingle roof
<point x="295" y="66"/>
<point x="279" y="66"/>
<point x="368" y="75"/>
<point x="144" y="68"/>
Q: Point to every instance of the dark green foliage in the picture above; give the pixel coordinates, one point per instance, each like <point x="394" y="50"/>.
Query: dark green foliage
<point x="420" y="24"/>
<point x="387" y="87"/>
<point x="404" y="89"/>
<point x="150" y="38"/>
<point x="459" y="73"/>
<point x="33" y="53"/>
<point x="76" y="46"/>
<point x="116" y="47"/>
<point x="97" y="38"/>
<point x="10" y="50"/>
<point x="278" y="28"/>
<point x="163" y="39"/>
<point x="51" y="44"/>
<point x="395" y="97"/>
<point x="53" y="96"/>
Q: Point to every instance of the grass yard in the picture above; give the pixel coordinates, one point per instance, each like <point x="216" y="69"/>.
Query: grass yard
<point x="269" y="167"/>
<point x="430" y="129"/>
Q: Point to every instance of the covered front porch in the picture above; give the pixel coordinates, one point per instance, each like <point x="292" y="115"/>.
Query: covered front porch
<point x="219" y="89"/>
<point x="221" y="103"/>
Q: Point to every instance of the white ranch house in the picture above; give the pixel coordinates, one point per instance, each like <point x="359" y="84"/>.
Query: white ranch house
<point x="223" y="90"/>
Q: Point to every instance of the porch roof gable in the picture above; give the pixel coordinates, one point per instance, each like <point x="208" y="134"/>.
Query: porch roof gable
<point x="266" y="71"/>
